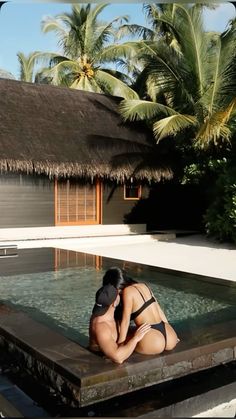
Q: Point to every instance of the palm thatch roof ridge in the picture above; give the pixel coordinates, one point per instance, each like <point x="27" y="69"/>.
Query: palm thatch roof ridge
<point x="61" y="132"/>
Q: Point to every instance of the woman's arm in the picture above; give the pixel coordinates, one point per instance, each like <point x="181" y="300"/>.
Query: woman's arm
<point x="127" y="310"/>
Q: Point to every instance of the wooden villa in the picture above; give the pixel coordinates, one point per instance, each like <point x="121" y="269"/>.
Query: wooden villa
<point x="67" y="158"/>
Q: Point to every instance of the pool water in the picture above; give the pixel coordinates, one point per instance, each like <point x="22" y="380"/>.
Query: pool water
<point x="63" y="298"/>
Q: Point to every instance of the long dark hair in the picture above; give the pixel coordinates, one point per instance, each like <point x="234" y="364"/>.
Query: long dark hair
<point x="118" y="278"/>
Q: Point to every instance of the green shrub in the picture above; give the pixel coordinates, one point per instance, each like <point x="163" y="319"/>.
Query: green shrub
<point x="220" y="216"/>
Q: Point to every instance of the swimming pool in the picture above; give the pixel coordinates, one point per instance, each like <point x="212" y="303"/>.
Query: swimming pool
<point x="57" y="288"/>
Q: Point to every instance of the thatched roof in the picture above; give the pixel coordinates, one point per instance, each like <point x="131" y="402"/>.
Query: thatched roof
<point x="64" y="132"/>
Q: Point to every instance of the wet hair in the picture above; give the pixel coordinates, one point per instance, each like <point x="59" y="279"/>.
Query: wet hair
<point x="118" y="278"/>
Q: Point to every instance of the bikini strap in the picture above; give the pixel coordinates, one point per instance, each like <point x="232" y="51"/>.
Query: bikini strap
<point x="140" y="293"/>
<point x="152" y="295"/>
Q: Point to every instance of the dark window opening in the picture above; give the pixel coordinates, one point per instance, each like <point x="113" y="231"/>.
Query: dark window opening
<point x="132" y="191"/>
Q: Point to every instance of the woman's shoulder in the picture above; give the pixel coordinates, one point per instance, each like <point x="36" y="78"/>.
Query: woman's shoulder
<point x="131" y="289"/>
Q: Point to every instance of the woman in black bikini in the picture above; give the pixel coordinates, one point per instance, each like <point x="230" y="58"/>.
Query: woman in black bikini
<point x="140" y="305"/>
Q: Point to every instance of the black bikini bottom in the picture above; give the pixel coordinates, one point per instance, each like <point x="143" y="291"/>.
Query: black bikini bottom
<point x="161" y="327"/>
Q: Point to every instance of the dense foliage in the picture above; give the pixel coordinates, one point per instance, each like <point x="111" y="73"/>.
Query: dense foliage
<point x="221" y="214"/>
<point x="188" y="97"/>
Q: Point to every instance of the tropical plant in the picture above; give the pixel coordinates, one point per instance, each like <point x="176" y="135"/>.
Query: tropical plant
<point x="220" y="217"/>
<point x="190" y="80"/>
<point x="28" y="63"/>
<point x="84" y="62"/>
<point x="187" y="97"/>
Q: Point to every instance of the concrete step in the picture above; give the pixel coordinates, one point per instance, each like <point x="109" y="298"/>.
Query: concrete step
<point x="87" y="242"/>
<point x="33" y="233"/>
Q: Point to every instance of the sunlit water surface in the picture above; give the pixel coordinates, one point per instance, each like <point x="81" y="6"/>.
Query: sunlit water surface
<point x="64" y="299"/>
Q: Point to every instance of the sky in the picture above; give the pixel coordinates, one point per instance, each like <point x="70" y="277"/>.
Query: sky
<point x="20" y="25"/>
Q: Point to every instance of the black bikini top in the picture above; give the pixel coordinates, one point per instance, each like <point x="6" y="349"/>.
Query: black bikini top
<point x="144" y="306"/>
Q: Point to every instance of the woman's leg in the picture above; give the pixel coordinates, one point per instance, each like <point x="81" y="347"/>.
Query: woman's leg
<point x="171" y="337"/>
<point x="153" y="343"/>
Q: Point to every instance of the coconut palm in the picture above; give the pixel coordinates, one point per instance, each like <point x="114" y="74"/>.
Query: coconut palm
<point x="84" y="61"/>
<point x="191" y="80"/>
<point x="28" y="64"/>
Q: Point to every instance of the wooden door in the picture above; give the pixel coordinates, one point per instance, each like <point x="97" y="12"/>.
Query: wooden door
<point x="77" y="203"/>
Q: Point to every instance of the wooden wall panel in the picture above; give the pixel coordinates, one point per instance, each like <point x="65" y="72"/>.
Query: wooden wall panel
<point x="113" y="211"/>
<point x="26" y="201"/>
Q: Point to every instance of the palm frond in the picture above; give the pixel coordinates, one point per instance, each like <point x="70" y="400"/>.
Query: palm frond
<point x="134" y="30"/>
<point x="124" y="77"/>
<point x="64" y="68"/>
<point x="127" y="50"/>
<point x="50" y="24"/>
<point x="187" y="20"/>
<point x="85" y="83"/>
<point x="112" y="85"/>
<point x="96" y="11"/>
<point x="167" y="72"/>
<point x="143" y="110"/>
<point x="215" y="129"/>
<point x="104" y="33"/>
<point x="27" y="65"/>
<point x="227" y="79"/>
<point x="172" y="125"/>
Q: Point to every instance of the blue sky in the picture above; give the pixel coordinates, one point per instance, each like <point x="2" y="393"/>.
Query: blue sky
<point x="20" y="26"/>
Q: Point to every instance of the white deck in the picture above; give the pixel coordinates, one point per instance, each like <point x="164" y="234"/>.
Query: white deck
<point x="195" y="253"/>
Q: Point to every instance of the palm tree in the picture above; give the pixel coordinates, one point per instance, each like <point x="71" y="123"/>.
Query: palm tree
<point x="190" y="80"/>
<point x="84" y="61"/>
<point x="28" y="63"/>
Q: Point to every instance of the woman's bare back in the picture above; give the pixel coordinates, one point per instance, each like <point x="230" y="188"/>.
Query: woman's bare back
<point x="141" y="294"/>
<point x="155" y="341"/>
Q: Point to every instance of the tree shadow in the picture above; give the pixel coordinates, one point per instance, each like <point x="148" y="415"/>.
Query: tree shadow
<point x="170" y="207"/>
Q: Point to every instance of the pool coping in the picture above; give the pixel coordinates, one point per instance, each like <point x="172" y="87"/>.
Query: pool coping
<point x="83" y="378"/>
<point x="192" y="275"/>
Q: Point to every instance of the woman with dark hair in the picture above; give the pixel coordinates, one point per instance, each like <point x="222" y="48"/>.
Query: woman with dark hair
<point x="118" y="278"/>
<point x="140" y="305"/>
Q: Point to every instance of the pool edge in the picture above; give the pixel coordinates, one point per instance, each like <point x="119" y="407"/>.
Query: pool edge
<point x="85" y="378"/>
